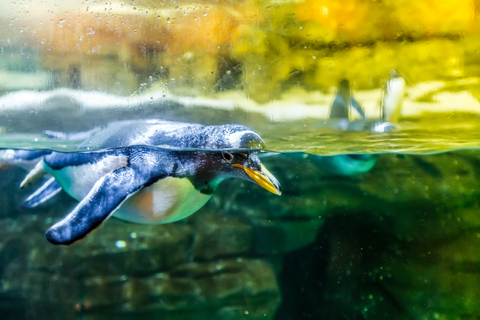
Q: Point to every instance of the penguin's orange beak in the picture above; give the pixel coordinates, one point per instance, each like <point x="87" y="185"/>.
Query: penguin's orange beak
<point x="263" y="178"/>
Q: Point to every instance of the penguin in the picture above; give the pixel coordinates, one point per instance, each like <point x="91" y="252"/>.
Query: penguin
<point x="344" y="101"/>
<point x="354" y="164"/>
<point x="392" y="96"/>
<point x="390" y="107"/>
<point x="143" y="171"/>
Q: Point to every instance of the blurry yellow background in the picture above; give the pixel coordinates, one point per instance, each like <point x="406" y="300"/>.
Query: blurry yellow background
<point x="265" y="50"/>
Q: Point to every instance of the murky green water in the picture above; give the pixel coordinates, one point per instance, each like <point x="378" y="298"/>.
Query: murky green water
<point x="391" y="235"/>
<point x="399" y="240"/>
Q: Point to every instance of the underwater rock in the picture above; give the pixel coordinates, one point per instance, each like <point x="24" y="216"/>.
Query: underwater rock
<point x="127" y="248"/>
<point x="217" y="236"/>
<point x="138" y="269"/>
<point x="223" y="289"/>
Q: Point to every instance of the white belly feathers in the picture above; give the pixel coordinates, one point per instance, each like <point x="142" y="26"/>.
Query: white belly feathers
<point x="168" y="200"/>
<point x="77" y="181"/>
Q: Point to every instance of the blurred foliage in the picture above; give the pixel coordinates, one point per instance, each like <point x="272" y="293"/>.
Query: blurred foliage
<point x="264" y="47"/>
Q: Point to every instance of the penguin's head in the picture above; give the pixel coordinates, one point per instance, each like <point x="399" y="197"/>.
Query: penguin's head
<point x="238" y="157"/>
<point x="246" y="165"/>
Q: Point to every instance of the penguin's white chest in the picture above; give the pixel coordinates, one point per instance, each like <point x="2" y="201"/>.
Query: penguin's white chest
<point x="77" y="181"/>
<point x="168" y="200"/>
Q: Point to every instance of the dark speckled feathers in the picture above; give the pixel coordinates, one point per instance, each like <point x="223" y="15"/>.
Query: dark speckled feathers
<point x="58" y="160"/>
<point x="174" y="135"/>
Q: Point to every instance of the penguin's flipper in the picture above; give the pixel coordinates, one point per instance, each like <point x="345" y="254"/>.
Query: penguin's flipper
<point x="358" y="107"/>
<point x="101" y="202"/>
<point x="45" y="192"/>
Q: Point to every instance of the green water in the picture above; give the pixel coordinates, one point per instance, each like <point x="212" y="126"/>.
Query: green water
<point x="398" y="241"/>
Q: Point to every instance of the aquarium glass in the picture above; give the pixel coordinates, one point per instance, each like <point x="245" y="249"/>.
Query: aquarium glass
<point x="369" y="111"/>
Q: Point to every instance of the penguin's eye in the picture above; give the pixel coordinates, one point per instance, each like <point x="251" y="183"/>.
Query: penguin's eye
<point x="228" y="156"/>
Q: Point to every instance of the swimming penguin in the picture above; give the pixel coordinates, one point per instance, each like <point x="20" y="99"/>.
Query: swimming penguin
<point x="344" y="101"/>
<point x="353" y="164"/>
<point x="347" y="164"/>
<point x="156" y="171"/>
<point x="390" y="107"/>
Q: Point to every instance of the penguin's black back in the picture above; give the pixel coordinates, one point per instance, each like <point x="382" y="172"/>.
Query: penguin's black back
<point x="168" y="134"/>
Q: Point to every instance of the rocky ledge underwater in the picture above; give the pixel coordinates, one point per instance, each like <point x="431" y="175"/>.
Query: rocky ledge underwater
<point x="399" y="241"/>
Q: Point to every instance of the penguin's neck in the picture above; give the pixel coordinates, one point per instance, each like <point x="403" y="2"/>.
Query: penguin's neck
<point x="199" y="169"/>
<point x="207" y="185"/>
